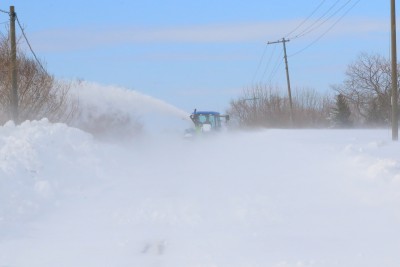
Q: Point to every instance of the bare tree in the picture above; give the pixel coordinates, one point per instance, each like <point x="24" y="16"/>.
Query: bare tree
<point x="260" y="106"/>
<point x="40" y="94"/>
<point x="311" y="108"/>
<point x="265" y="106"/>
<point x="367" y="88"/>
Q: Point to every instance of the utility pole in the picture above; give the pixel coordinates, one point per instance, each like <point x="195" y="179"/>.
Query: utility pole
<point x="395" y="127"/>
<point x="283" y="41"/>
<point x="254" y="99"/>
<point x="13" y="68"/>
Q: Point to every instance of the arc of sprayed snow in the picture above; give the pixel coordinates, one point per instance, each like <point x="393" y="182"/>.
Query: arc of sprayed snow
<point x="106" y="96"/>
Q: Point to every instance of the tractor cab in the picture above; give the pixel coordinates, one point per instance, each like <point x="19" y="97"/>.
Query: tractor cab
<point x="207" y="121"/>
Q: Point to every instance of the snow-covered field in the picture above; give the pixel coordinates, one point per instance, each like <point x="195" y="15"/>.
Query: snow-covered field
<point x="272" y="198"/>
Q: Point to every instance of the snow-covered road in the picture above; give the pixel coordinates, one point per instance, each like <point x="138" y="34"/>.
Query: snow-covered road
<point x="278" y="198"/>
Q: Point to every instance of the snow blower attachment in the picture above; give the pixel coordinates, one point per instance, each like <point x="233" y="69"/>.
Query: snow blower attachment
<point x="206" y="122"/>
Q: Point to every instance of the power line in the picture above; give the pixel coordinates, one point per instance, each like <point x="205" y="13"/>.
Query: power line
<point x="29" y="45"/>
<point x="278" y="63"/>
<point x="316" y="21"/>
<point x="328" y="30"/>
<point x="323" y="22"/>
<point x="306" y="19"/>
<point x="269" y="62"/>
<point x="320" y="21"/>
<point x="259" y="65"/>
<point x="3" y="11"/>
<point x="265" y="49"/>
<point x="274" y="71"/>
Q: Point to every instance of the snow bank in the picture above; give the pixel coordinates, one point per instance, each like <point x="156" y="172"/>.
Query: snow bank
<point x="39" y="162"/>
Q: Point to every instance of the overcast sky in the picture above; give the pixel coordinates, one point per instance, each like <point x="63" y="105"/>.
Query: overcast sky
<point x="201" y="54"/>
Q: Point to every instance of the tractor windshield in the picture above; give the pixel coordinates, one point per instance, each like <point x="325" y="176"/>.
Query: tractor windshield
<point x="211" y="119"/>
<point x="205" y="121"/>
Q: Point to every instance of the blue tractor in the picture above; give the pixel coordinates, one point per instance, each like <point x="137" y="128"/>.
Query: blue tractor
<point x="206" y="122"/>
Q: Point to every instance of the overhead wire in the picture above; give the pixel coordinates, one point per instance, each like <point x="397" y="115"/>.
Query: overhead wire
<point x="270" y="59"/>
<point x="25" y="37"/>
<point x="316" y="21"/>
<point x="275" y="71"/>
<point x="306" y="19"/>
<point x="279" y="60"/>
<point x="313" y="28"/>
<point x="29" y="45"/>
<point x="278" y="63"/>
<point x="268" y="63"/>
<point x="328" y="30"/>
<point x="259" y="64"/>
<point x="319" y="22"/>
<point x="265" y="49"/>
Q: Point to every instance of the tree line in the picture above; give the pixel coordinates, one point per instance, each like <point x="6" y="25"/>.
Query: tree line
<point x="363" y="99"/>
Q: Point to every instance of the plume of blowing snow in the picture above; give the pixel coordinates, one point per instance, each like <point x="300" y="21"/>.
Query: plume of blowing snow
<point x="112" y="111"/>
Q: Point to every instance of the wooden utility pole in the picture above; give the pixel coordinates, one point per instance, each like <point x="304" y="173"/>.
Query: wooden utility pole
<point x="13" y="68"/>
<point x="395" y="127"/>
<point x="283" y="41"/>
<point x="254" y="99"/>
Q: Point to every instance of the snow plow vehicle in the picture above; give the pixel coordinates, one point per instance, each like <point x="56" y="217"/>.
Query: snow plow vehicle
<point x="206" y="122"/>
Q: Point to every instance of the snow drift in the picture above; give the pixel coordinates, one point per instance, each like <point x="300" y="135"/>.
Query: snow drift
<point x="279" y="198"/>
